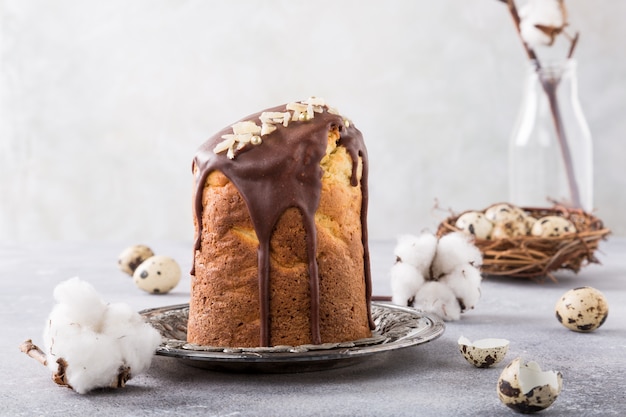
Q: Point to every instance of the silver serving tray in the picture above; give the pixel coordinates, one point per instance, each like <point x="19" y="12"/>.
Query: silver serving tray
<point x="396" y="328"/>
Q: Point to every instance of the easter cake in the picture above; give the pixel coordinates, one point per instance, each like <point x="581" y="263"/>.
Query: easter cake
<point x="281" y="254"/>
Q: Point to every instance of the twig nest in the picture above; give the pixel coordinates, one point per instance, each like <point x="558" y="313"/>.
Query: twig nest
<point x="157" y="275"/>
<point x="132" y="257"/>
<point x="525" y="388"/>
<point x="582" y="309"/>
<point x="483" y="353"/>
<point x="563" y="238"/>
<point x="552" y="226"/>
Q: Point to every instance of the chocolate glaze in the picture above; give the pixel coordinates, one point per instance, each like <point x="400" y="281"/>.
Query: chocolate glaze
<point x="283" y="172"/>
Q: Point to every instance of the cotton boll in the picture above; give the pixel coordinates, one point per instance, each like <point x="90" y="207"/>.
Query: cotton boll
<point x="78" y="301"/>
<point x="136" y="339"/>
<point x="92" y="358"/>
<point x="454" y="249"/>
<point x="405" y="281"/>
<point x="93" y="362"/>
<point x="436" y="297"/>
<point x="97" y="347"/>
<point x="78" y="310"/>
<point x="464" y="281"/>
<point x="549" y="13"/>
<point x="541" y="21"/>
<point x="417" y="250"/>
<point x="532" y="35"/>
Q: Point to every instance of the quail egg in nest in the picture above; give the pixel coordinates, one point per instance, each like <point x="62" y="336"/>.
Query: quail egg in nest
<point x="504" y="212"/>
<point x="475" y="223"/>
<point x="552" y="226"/>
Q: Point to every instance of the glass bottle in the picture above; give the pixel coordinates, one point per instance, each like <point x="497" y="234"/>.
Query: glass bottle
<point x="550" y="151"/>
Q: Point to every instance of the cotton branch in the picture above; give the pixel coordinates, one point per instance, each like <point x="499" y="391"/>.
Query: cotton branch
<point x="516" y="21"/>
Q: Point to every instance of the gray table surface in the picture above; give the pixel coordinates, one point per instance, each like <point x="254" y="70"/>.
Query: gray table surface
<point x="427" y="380"/>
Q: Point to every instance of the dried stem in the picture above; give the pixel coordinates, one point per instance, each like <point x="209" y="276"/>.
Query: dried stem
<point x="549" y="87"/>
<point x="34" y="352"/>
<point x="516" y="21"/>
<point x="572" y="47"/>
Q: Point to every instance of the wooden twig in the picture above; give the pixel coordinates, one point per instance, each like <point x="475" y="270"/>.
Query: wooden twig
<point x="572" y="46"/>
<point x="60" y="376"/>
<point x="32" y="350"/>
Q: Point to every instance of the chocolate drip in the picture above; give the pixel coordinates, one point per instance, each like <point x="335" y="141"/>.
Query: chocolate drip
<point x="284" y="172"/>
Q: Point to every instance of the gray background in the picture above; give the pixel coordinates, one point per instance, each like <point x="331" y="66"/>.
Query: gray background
<point x="102" y="104"/>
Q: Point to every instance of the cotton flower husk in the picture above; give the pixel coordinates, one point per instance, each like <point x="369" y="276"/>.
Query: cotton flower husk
<point x="94" y="339"/>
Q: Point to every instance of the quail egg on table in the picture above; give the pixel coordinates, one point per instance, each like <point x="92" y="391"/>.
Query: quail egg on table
<point x="157" y="275"/>
<point x="475" y="223"/>
<point x="582" y="309"/>
<point x="483" y="353"/>
<point x="552" y="226"/>
<point x="525" y="388"/>
<point x="132" y="257"/>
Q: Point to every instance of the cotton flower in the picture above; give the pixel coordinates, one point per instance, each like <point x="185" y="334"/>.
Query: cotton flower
<point x="437" y="297"/>
<point x="541" y="21"/>
<point x="454" y="249"/>
<point x="464" y="281"/>
<point x="91" y="344"/>
<point x="440" y="276"/>
<point x="405" y="281"/>
<point x="417" y="251"/>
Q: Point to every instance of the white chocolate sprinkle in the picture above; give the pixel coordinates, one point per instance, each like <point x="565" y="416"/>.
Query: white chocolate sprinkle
<point x="249" y="132"/>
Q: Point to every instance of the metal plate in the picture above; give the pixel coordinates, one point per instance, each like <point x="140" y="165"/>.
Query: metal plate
<point x="396" y="328"/>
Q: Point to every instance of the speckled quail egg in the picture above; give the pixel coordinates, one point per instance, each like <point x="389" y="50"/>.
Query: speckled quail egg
<point x="132" y="257"/>
<point x="504" y="212"/>
<point x="474" y="223"/>
<point x="530" y="222"/>
<point x="508" y="229"/>
<point x="483" y="353"/>
<point x="552" y="226"/>
<point x="525" y="388"/>
<point x="157" y="275"/>
<point x="582" y="309"/>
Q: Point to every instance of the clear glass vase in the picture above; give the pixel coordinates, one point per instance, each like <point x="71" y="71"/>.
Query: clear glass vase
<point x="550" y="151"/>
